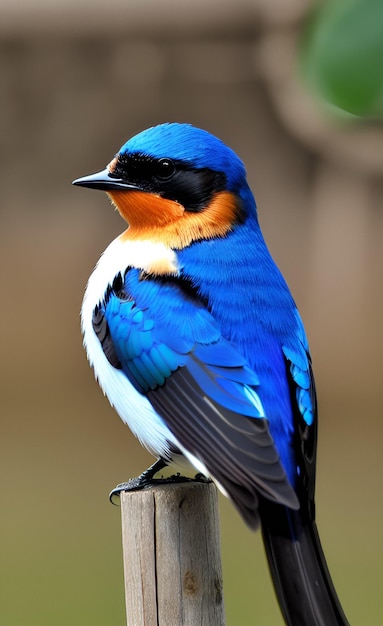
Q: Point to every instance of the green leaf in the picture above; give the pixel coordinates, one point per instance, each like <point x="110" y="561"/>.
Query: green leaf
<point x="341" y="55"/>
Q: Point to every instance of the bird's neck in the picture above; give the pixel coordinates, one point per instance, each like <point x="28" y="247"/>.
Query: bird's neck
<point x="238" y="279"/>
<point x="238" y="262"/>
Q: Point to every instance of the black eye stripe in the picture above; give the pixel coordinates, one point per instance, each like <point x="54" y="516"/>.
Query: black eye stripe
<point x="171" y="179"/>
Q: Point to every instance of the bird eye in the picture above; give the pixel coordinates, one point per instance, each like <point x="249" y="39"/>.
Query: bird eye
<point x="165" y="169"/>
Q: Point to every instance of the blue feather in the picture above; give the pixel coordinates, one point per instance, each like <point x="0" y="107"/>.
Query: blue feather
<point x="151" y="345"/>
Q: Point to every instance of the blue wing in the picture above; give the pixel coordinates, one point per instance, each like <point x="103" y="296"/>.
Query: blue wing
<point x="171" y="349"/>
<point x="302" y="387"/>
<point x="301" y="373"/>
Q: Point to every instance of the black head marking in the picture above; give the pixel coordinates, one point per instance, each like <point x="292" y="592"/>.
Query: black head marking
<point x="171" y="179"/>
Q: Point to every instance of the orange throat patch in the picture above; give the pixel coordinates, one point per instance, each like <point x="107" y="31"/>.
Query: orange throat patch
<point x="151" y="217"/>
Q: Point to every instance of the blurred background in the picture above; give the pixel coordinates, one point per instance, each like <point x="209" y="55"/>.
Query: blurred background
<point x="77" y="80"/>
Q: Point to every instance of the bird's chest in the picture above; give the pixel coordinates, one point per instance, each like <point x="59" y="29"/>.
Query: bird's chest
<point x="132" y="405"/>
<point x="144" y="256"/>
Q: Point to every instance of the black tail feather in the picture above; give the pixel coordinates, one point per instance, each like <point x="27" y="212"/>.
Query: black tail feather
<point x="302" y="582"/>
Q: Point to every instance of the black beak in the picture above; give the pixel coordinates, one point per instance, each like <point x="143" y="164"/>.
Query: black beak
<point x="103" y="180"/>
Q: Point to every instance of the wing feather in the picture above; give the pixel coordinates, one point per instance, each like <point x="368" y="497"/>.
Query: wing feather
<point x="303" y="393"/>
<point x="200" y="385"/>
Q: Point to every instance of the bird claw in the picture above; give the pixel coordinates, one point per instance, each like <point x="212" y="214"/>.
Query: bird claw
<point x="146" y="480"/>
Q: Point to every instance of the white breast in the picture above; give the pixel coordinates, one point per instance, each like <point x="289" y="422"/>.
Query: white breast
<point x="133" y="408"/>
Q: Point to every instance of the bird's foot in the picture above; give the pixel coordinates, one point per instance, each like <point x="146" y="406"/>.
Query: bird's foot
<point x="146" y="479"/>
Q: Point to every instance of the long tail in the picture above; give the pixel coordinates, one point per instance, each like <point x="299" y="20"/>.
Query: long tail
<point x="302" y="582"/>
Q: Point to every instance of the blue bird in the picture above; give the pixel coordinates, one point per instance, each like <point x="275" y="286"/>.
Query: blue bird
<point x="197" y="342"/>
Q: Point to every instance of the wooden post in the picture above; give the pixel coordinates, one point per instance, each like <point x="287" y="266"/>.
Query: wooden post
<point x="172" y="560"/>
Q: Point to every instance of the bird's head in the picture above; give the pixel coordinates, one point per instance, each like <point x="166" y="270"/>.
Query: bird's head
<point x="176" y="184"/>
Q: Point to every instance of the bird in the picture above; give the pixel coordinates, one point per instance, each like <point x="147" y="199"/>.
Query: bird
<point x="197" y="342"/>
